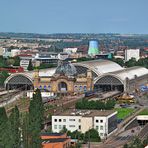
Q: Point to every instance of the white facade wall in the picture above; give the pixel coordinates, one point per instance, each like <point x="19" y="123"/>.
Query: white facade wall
<point x="72" y="123"/>
<point x="101" y="125"/>
<point x="24" y="64"/>
<point x="132" y="53"/>
<point x="15" y="52"/>
<point x="82" y="123"/>
<point x="70" y="50"/>
<point x="43" y="94"/>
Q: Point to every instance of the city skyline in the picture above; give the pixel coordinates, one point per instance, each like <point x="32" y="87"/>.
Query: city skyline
<point x="91" y="16"/>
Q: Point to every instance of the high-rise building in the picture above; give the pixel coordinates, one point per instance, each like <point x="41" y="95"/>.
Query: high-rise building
<point x="93" y="48"/>
<point x="132" y="53"/>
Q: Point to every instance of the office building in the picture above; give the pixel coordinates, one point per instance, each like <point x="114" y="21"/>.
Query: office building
<point x="105" y="122"/>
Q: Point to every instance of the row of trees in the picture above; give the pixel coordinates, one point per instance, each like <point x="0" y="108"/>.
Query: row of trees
<point x="5" y="62"/>
<point x="91" y="135"/>
<point x="9" y="129"/>
<point x="132" y="62"/>
<point x="85" y="104"/>
<point x="28" y="125"/>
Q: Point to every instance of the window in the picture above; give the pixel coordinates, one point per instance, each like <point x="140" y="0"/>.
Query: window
<point x="60" y="120"/>
<point x="79" y="127"/>
<point x="64" y="120"/>
<point x="97" y="121"/>
<point x="79" y="120"/>
<point x="101" y="134"/>
<point x="101" y="121"/>
<point x="80" y="88"/>
<point x="71" y="125"/>
<point x="85" y="88"/>
<point x="55" y="120"/>
<point x="55" y="126"/>
<point x="101" y="127"/>
<point x="71" y="119"/>
<point x="97" y="127"/>
<point x="64" y="126"/>
<point x="60" y="126"/>
<point x="75" y="88"/>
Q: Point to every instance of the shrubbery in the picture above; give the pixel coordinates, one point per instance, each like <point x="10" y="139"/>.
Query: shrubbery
<point x="96" y="105"/>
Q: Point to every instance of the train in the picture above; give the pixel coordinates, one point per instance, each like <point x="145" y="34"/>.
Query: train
<point x="90" y="94"/>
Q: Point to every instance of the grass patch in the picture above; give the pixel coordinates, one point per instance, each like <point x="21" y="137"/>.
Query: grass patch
<point x="144" y="112"/>
<point x="123" y="112"/>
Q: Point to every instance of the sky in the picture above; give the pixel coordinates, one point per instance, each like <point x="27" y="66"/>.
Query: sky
<point x="74" y="16"/>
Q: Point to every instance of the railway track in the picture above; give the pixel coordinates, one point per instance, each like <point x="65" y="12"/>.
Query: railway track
<point x="7" y="96"/>
<point x="144" y="132"/>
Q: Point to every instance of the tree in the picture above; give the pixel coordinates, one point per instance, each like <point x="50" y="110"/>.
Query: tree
<point x="17" y="61"/>
<point x="14" y="127"/>
<point x="110" y="104"/>
<point x="64" y="130"/>
<point x="30" y="66"/>
<point x="85" y="104"/>
<point x="36" y="116"/>
<point x="5" y="141"/>
<point x="3" y="76"/>
<point x="119" y="61"/>
<point x="125" y="146"/>
<point x="25" y="130"/>
<point x="10" y="62"/>
<point x="92" y="135"/>
<point x="75" y="135"/>
<point x="132" y="62"/>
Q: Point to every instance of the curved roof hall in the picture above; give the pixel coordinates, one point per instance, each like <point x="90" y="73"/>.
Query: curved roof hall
<point x="97" y="66"/>
<point x="100" y="66"/>
<point x="131" y="72"/>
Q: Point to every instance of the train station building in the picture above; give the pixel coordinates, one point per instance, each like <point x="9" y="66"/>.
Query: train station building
<point x="68" y="78"/>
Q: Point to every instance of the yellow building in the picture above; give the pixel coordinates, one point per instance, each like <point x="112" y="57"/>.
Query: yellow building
<point x="65" y="80"/>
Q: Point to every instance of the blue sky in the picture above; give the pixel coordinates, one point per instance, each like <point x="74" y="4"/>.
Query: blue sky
<point x="74" y="16"/>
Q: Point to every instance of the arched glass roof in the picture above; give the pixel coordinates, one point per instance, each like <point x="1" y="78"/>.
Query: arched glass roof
<point x="19" y="78"/>
<point x="131" y="72"/>
<point x="100" y="66"/>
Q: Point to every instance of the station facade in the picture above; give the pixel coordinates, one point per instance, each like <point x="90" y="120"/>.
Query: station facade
<point x="68" y="78"/>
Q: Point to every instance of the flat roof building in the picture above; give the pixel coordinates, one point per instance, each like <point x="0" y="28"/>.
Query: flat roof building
<point x="105" y="121"/>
